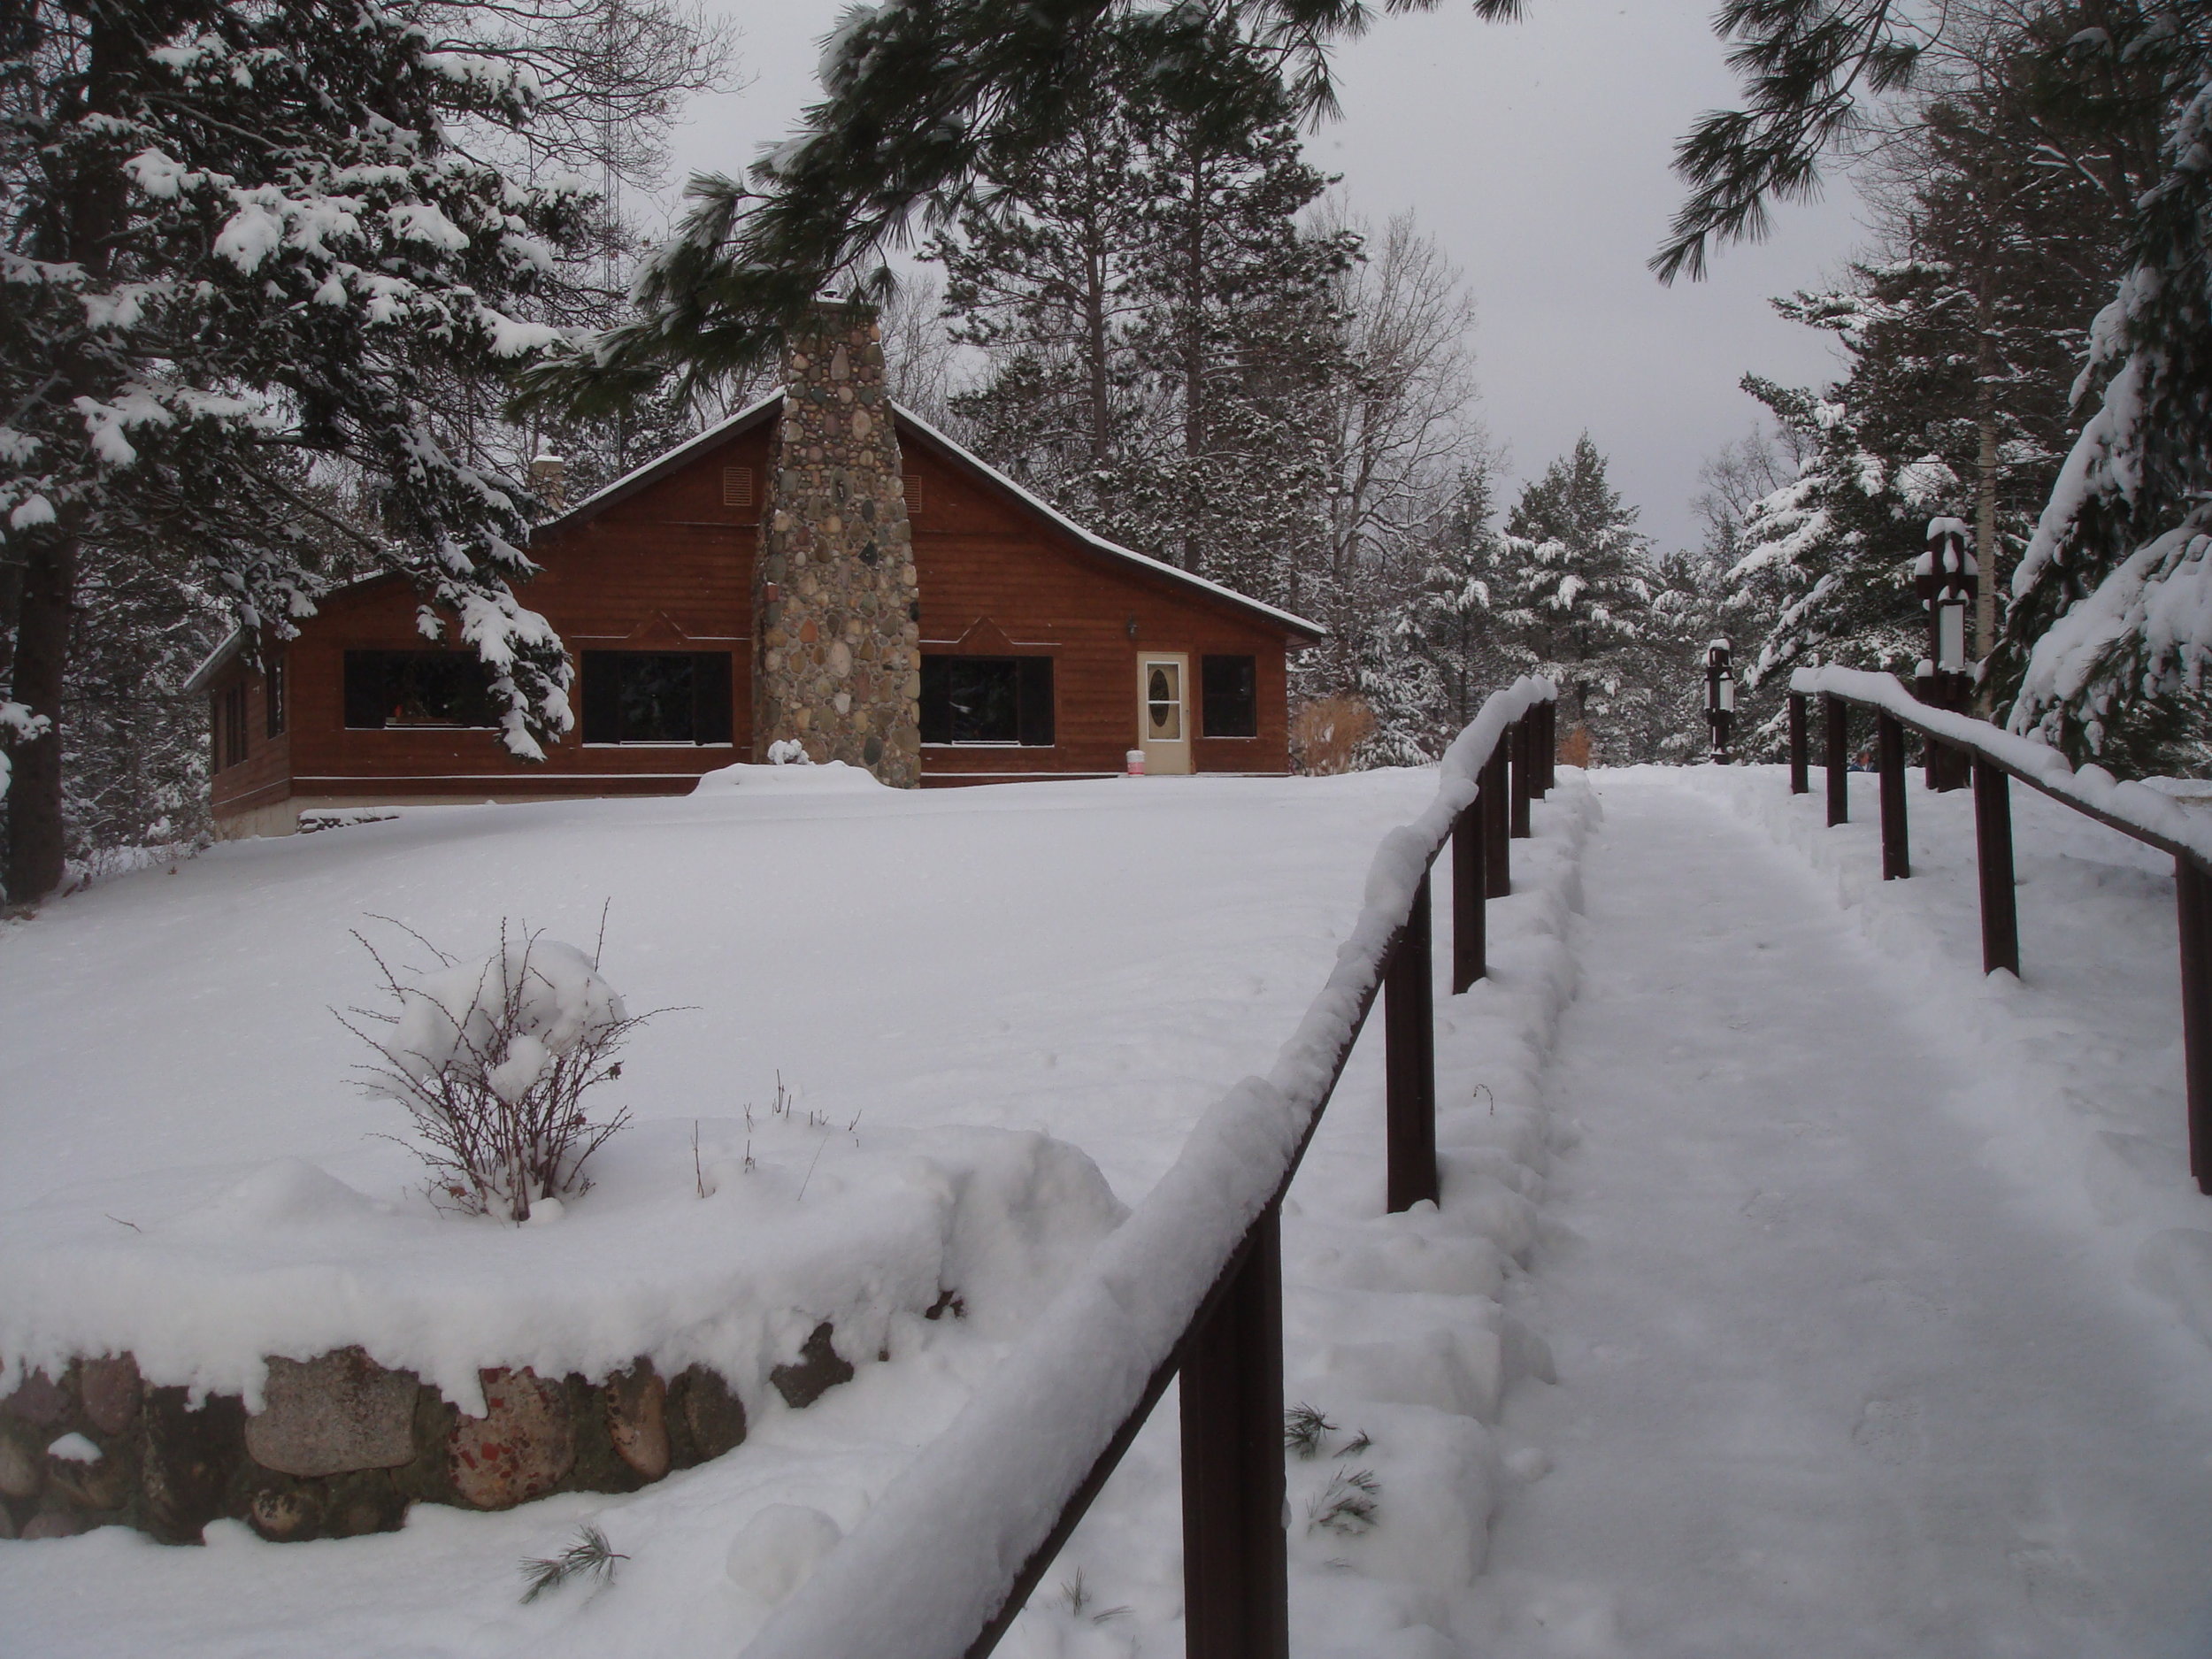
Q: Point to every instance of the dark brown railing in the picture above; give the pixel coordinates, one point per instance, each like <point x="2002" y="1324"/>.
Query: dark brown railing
<point x="1997" y="757"/>
<point x="1190" y="1286"/>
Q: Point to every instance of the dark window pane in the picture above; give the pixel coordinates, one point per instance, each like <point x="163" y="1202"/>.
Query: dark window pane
<point x="1036" y="700"/>
<point x="657" y="696"/>
<point x="937" y="699"/>
<point x="438" y="688"/>
<point x="655" y="692"/>
<point x="710" y="697"/>
<point x="985" y="701"/>
<point x="273" y="690"/>
<point x="602" y="708"/>
<point x="364" y="690"/>
<point x="1231" y="688"/>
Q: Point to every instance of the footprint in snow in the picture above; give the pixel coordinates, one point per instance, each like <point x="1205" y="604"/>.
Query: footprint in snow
<point x="1889" y="1430"/>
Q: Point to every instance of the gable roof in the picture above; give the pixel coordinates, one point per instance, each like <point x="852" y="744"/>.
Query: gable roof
<point x="909" y="423"/>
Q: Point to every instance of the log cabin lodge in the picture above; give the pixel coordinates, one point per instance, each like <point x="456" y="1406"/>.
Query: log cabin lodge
<point x="821" y="569"/>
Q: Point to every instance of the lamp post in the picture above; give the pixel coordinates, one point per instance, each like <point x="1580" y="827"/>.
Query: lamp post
<point x="1720" y="698"/>
<point x="1946" y="577"/>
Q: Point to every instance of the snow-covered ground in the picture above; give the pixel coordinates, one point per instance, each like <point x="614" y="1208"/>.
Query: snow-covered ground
<point x="1093" y="962"/>
<point x="1855" y="1354"/>
<point x="1879" y="1298"/>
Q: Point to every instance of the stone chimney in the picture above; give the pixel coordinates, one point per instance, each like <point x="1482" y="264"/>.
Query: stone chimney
<point x="548" y="476"/>
<point x="839" y="667"/>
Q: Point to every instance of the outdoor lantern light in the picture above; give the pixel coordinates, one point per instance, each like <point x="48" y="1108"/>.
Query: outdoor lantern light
<point x="1720" y="698"/>
<point x="1945" y="578"/>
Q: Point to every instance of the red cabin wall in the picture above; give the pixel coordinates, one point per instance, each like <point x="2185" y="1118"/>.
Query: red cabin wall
<point x="670" y="568"/>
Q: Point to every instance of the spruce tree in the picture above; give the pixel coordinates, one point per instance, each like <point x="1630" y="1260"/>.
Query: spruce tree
<point x="237" y="239"/>
<point x="1448" y="621"/>
<point x="1575" y="598"/>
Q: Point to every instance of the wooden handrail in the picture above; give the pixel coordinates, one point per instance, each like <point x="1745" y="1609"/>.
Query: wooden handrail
<point x="1997" y="757"/>
<point x="946" y="1558"/>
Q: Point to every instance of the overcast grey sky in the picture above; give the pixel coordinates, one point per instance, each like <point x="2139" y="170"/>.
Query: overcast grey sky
<point x="1537" y="154"/>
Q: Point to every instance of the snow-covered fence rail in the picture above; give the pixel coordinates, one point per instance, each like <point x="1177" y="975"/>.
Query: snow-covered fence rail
<point x="1189" y="1284"/>
<point x="1996" y="757"/>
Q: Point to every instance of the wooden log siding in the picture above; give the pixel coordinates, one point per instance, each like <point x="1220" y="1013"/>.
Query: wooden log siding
<point x="988" y="566"/>
<point x="669" y="567"/>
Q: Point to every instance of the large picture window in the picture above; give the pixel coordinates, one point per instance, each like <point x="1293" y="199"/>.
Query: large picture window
<point x="657" y="696"/>
<point x="987" y="700"/>
<point x="1230" y="688"/>
<point x="415" y="688"/>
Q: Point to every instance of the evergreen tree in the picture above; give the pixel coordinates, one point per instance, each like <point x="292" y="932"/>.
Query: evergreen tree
<point x="2108" y="626"/>
<point x="1042" y="278"/>
<point x="1574" y="601"/>
<point x="1159" y="328"/>
<point x="1448" y="621"/>
<point x="234" y="237"/>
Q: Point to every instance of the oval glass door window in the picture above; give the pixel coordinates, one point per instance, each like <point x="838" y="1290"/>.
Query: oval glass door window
<point x="1163" y="698"/>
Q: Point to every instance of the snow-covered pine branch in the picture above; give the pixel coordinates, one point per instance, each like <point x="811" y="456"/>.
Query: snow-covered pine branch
<point x="242" y="248"/>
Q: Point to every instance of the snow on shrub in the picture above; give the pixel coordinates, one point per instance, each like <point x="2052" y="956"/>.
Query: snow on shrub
<point x="492" y="1058"/>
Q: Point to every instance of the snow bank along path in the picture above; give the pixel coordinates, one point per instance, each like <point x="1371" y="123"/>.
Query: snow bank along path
<point x="1847" y="1366"/>
<point x="929" y="1569"/>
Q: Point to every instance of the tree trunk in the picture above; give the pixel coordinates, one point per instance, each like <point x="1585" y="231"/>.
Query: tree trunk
<point x="1094" y="345"/>
<point x="1986" y="501"/>
<point x="41" y="663"/>
<point x="84" y="230"/>
<point x="1194" y="350"/>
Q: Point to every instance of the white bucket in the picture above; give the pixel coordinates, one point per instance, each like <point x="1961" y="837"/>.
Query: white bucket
<point x="1136" y="763"/>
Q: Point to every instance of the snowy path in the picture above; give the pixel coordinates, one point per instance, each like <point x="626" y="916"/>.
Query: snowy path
<point x="1829" y="1386"/>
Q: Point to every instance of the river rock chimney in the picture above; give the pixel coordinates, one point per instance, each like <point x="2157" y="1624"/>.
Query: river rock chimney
<point x="839" y="667"/>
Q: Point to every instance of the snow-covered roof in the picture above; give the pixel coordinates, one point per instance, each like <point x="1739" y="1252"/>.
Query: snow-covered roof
<point x="722" y="431"/>
<point x="204" y="675"/>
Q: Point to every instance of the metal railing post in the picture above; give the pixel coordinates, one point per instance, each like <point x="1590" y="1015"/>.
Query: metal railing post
<point x="1800" y="762"/>
<point x="1889" y="750"/>
<point x="1497" y="822"/>
<point x="1469" y="914"/>
<point x="1837" y="718"/>
<point x="1523" y="741"/>
<point x="1409" y="1062"/>
<point x="2192" y="902"/>
<point x="1992" y="857"/>
<point x="1236" y="1593"/>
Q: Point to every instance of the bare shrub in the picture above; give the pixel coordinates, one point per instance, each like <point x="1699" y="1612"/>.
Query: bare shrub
<point x="493" y="1059"/>
<point x="1574" y="747"/>
<point x="1326" y="734"/>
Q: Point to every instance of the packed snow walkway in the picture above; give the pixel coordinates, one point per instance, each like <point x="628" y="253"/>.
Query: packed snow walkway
<point x="1828" y="1385"/>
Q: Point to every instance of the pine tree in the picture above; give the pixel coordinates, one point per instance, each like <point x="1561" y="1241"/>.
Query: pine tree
<point x="1448" y="620"/>
<point x="1041" y="278"/>
<point x="1159" y="330"/>
<point x="1576" y="596"/>
<point x="2108" y="624"/>
<point x="237" y="237"/>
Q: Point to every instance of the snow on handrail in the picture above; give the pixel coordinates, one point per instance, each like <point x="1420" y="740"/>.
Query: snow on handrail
<point x="932" y="1563"/>
<point x="2131" y="808"/>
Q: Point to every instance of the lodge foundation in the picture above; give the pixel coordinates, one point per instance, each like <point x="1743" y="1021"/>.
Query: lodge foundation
<point x="838" y="664"/>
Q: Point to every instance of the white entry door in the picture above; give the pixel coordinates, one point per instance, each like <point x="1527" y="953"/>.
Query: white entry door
<point x="1163" y="712"/>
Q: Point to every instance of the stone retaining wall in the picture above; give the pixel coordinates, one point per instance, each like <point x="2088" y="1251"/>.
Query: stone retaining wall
<point x="343" y="1445"/>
